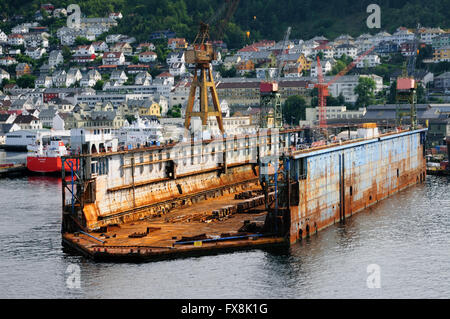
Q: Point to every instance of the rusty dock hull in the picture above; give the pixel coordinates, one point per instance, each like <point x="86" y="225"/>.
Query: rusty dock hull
<point x="334" y="183"/>
<point x="133" y="210"/>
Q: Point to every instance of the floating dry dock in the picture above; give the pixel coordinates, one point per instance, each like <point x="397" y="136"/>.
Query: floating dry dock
<point x="238" y="193"/>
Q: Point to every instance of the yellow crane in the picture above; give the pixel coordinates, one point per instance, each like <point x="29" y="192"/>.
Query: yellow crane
<point x="201" y="54"/>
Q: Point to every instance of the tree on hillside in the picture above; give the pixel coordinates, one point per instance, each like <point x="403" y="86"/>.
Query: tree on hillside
<point x="98" y="85"/>
<point x="82" y="41"/>
<point x="26" y="81"/>
<point x="175" y="111"/>
<point x="392" y="93"/>
<point x="365" y="90"/>
<point x="294" y="109"/>
<point x="66" y="53"/>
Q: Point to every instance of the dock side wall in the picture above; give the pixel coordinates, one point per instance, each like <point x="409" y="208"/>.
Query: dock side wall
<point x="337" y="182"/>
<point x="133" y="185"/>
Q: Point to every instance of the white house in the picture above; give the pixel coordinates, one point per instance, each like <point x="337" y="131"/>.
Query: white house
<point x="369" y="61"/>
<point x="83" y="50"/>
<point x="142" y="78"/>
<point x="43" y="81"/>
<point x="347" y="49"/>
<point x="28" y="122"/>
<point x="428" y="34"/>
<point x="175" y="57"/>
<point x="115" y="15"/>
<point x="35" y="53"/>
<point x="346" y="84"/>
<point x="402" y="35"/>
<point x="4" y="75"/>
<point x="177" y="69"/>
<point x="113" y="38"/>
<point x="116" y="58"/>
<point x="59" y="78"/>
<point x="59" y="121"/>
<point x="21" y="28"/>
<point x="146" y="46"/>
<point x="15" y="39"/>
<point x="327" y="50"/>
<point x="55" y="58"/>
<point x="147" y="56"/>
<point x="326" y="67"/>
<point x="119" y="76"/>
<point x="90" y="78"/>
<point x="3" y="37"/>
<point x="36" y="39"/>
<point x="100" y="46"/>
<point x="73" y="75"/>
<point x="7" y="60"/>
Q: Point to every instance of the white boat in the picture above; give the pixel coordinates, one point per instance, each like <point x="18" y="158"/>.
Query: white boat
<point x="141" y="132"/>
<point x="19" y="140"/>
<point x="90" y="140"/>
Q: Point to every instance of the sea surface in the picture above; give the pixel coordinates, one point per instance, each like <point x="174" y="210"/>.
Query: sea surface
<point x="398" y="248"/>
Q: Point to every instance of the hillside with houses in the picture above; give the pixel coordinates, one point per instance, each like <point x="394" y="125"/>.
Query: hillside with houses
<point x="71" y="74"/>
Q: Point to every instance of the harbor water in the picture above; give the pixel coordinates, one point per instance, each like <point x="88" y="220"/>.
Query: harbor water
<point x="405" y="238"/>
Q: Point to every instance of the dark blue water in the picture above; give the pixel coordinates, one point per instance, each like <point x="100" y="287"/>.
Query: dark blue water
<point x="407" y="236"/>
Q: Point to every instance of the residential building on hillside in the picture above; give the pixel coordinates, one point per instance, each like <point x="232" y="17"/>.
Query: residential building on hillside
<point x="441" y="54"/>
<point x="177" y="43"/>
<point x="326" y="66"/>
<point x="332" y="112"/>
<point x="347" y="49"/>
<point x="16" y="39"/>
<point x="28" y="122"/>
<point x="440" y="41"/>
<point x="442" y="81"/>
<point x="113" y="58"/>
<point x="428" y="34"/>
<point x="22" y="69"/>
<point x="55" y="58"/>
<point x="147" y="56"/>
<point x="369" y="61"/>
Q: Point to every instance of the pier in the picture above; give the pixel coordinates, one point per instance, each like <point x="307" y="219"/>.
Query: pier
<point x="13" y="170"/>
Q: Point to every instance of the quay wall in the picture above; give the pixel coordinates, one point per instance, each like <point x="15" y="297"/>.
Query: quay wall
<point x="336" y="182"/>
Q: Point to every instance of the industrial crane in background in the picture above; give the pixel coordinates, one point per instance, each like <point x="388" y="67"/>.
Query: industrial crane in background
<point x="322" y="87"/>
<point x="407" y="85"/>
<point x="270" y="99"/>
<point x="201" y="54"/>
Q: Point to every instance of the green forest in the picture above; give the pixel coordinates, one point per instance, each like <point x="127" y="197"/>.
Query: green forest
<point x="261" y="18"/>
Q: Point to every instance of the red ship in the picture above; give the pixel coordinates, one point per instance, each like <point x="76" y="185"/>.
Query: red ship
<point x="48" y="159"/>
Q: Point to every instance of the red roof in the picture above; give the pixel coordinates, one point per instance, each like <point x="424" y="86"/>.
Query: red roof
<point x="115" y="54"/>
<point x="264" y="43"/>
<point x="138" y="66"/>
<point x="83" y="46"/>
<point x="322" y="47"/>
<point x="176" y="40"/>
<point x="147" y="53"/>
<point x="107" y="66"/>
<point x="249" y="48"/>
<point x="15" y="35"/>
<point x="146" y="44"/>
<point x="165" y="75"/>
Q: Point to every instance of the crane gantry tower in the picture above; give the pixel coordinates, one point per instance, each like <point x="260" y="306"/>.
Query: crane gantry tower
<point x="201" y="54"/>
